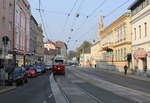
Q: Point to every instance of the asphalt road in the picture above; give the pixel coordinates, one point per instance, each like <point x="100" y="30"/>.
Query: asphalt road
<point x="79" y="91"/>
<point x="122" y="80"/>
<point x="37" y="90"/>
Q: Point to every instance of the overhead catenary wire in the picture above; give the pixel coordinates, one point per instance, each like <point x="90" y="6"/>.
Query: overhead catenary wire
<point x="77" y="14"/>
<point x="112" y="12"/>
<point x="68" y="15"/>
<point x="42" y="20"/>
<point x="91" y="14"/>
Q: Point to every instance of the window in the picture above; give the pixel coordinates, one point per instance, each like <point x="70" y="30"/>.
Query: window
<point x="116" y="55"/>
<point x="140" y="31"/>
<point x="125" y="53"/>
<point x="121" y="54"/>
<point x="145" y="24"/>
<point x="135" y="33"/>
<point x="4" y="4"/>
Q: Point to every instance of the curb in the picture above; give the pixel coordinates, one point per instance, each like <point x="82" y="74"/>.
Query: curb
<point x="59" y="97"/>
<point x="7" y="89"/>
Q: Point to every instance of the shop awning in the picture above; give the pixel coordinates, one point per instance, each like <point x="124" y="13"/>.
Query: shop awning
<point x="140" y="53"/>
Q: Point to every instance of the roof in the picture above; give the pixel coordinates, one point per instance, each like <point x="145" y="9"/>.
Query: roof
<point x="49" y="42"/>
<point x="135" y="4"/>
<point x="60" y="44"/>
<point x="51" y="51"/>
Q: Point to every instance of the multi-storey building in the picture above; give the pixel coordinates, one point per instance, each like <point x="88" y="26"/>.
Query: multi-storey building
<point x="6" y="23"/>
<point x="95" y="53"/>
<point x="22" y="30"/>
<point x="50" y="51"/>
<point x="14" y="23"/>
<point x="39" y="51"/>
<point x="62" y="47"/>
<point x="33" y="33"/>
<point x="140" y="22"/>
<point x="116" y="43"/>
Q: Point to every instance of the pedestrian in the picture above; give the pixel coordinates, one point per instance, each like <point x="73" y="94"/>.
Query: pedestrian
<point x="95" y="66"/>
<point x="125" y="69"/>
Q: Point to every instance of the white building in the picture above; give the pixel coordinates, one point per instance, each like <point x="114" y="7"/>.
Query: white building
<point x="140" y="22"/>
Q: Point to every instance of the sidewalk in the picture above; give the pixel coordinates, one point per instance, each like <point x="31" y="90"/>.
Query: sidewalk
<point x="122" y="74"/>
<point x="4" y="89"/>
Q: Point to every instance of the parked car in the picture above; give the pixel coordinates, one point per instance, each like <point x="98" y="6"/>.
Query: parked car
<point x="40" y="69"/>
<point x="31" y="72"/>
<point x="19" y="76"/>
<point x="48" y="67"/>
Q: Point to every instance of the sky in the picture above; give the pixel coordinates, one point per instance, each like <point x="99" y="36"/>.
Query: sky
<point x="71" y="29"/>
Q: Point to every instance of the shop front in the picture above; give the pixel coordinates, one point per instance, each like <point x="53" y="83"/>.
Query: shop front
<point x="140" y="60"/>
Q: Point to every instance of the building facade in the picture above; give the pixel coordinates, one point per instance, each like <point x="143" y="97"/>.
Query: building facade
<point x="140" y="22"/>
<point x="116" y="43"/>
<point x="95" y="53"/>
<point x="50" y="51"/>
<point x="62" y="47"/>
<point x="33" y="33"/>
<point x="14" y="23"/>
<point x="22" y="30"/>
<point x="6" y="24"/>
<point x="39" y="51"/>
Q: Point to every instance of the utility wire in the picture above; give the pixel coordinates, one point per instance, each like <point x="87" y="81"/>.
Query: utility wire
<point x="99" y="6"/>
<point x="90" y="15"/>
<point x="113" y="11"/>
<point x="67" y="18"/>
<point x="75" y="18"/>
<point x="73" y="7"/>
<point x="42" y="20"/>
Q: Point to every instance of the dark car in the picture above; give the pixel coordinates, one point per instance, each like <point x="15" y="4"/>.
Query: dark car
<point x="19" y="76"/>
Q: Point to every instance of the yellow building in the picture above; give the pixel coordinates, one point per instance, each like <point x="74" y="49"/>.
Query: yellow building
<point x="95" y="53"/>
<point x="85" y="60"/>
<point x="116" y="43"/>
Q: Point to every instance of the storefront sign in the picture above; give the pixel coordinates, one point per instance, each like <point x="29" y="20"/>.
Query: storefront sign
<point x="140" y="53"/>
<point x="109" y="53"/>
<point x="81" y="56"/>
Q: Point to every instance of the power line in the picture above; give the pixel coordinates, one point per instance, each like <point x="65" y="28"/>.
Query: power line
<point x="77" y="14"/>
<point x="90" y="15"/>
<point x="113" y="11"/>
<point x="99" y="6"/>
<point x="67" y="18"/>
<point x="42" y="21"/>
<point x="73" y="7"/>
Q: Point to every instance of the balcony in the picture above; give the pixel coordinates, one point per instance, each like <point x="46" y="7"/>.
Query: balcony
<point x="107" y="45"/>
